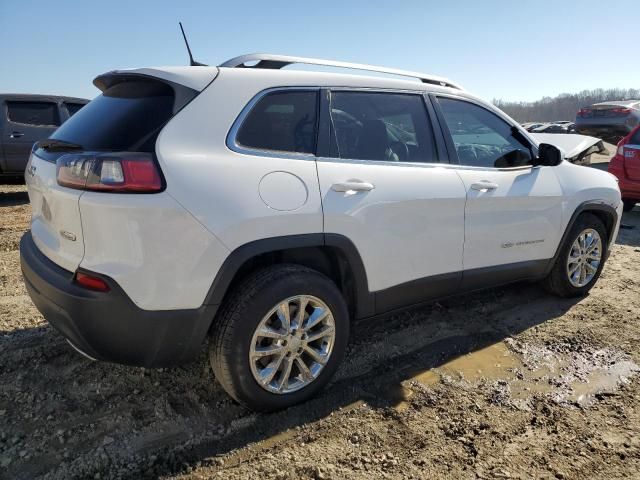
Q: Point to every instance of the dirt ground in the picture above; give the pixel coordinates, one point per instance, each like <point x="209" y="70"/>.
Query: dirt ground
<point x="509" y="383"/>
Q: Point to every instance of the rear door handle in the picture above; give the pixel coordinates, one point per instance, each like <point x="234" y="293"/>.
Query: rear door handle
<point x="353" y="186"/>
<point x="484" y="185"/>
<point x="16" y="135"/>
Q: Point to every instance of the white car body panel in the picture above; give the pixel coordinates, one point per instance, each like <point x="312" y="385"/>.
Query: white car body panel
<point x="410" y="226"/>
<point x="55" y="217"/>
<point x="518" y="221"/>
<point x="152" y="247"/>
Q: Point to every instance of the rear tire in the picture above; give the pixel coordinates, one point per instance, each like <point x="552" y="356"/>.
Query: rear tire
<point x="627" y="205"/>
<point x="560" y="280"/>
<point x="256" y="306"/>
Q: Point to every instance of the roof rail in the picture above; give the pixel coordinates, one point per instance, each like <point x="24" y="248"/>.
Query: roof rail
<point x="270" y="61"/>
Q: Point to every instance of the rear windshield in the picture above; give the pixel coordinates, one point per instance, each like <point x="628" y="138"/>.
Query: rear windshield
<point x="635" y="138"/>
<point x="126" y="117"/>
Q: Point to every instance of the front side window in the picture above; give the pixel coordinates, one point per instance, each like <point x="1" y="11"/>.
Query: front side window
<point x="282" y="121"/>
<point x="481" y="138"/>
<point x="381" y="127"/>
<point x="34" y="113"/>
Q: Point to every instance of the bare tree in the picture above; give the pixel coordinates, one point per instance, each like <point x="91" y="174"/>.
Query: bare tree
<point x="564" y="106"/>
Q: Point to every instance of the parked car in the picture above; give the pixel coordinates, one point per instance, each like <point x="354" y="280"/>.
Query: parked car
<point x="609" y="120"/>
<point x="625" y="165"/>
<point x="25" y="119"/>
<point x="532" y="126"/>
<point x="270" y="207"/>
<point x="555" y="128"/>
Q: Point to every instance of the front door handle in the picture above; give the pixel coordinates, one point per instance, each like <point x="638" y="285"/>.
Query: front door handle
<point x="352" y="186"/>
<point x="16" y="134"/>
<point x="484" y="185"/>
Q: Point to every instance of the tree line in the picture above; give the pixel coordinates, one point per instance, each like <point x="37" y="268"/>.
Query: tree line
<point x="564" y="106"/>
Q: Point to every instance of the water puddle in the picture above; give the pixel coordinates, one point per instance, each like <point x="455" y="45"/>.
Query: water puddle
<point x="516" y="372"/>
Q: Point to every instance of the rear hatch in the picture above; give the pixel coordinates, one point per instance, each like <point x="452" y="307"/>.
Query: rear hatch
<point x="126" y="117"/>
<point x="631" y="153"/>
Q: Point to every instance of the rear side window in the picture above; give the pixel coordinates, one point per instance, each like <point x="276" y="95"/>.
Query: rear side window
<point x="73" y="108"/>
<point x="34" y="113"/>
<point x="481" y="138"/>
<point x="126" y="117"/>
<point x="381" y="127"/>
<point x="282" y="121"/>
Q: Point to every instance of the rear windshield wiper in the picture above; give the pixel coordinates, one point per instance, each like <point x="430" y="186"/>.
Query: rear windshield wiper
<point x="53" y="145"/>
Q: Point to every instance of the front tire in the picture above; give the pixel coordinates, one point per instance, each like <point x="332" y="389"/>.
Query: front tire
<point x="581" y="258"/>
<point x="280" y="337"/>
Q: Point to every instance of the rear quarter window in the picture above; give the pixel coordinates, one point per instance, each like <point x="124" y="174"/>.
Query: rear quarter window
<point x="33" y="113"/>
<point x="282" y="121"/>
<point x="126" y="117"/>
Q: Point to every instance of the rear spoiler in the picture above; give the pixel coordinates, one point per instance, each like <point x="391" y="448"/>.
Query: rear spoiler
<point x="183" y="93"/>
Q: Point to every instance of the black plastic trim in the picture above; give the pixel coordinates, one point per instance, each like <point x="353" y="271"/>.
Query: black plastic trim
<point x="364" y="300"/>
<point x="108" y="325"/>
<point x="585" y="207"/>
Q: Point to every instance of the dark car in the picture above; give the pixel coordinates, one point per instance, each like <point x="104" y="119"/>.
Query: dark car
<point x="26" y="119"/>
<point x="564" y="127"/>
<point x="609" y="120"/>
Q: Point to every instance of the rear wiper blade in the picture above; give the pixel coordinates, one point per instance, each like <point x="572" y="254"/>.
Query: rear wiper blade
<point x="53" y="145"/>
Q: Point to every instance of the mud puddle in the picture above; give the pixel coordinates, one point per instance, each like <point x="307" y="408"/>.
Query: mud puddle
<point x="517" y="372"/>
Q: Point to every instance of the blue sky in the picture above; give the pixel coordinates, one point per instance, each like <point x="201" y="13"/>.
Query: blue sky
<point x="512" y="50"/>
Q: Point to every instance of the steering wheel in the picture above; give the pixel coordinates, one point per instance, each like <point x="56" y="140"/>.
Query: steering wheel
<point x="401" y="150"/>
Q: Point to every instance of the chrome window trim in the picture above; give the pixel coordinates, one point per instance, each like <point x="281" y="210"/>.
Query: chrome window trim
<point x="232" y="141"/>
<point x="452" y="166"/>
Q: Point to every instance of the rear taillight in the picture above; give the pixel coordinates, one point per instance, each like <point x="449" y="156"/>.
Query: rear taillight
<point x="109" y="172"/>
<point x="621" y="111"/>
<point x="584" y="112"/>
<point x="91" y="282"/>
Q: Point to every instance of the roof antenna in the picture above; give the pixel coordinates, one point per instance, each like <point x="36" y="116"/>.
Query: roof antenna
<point x="192" y="62"/>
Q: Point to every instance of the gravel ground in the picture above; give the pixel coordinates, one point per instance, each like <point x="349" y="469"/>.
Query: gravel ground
<point x="509" y="383"/>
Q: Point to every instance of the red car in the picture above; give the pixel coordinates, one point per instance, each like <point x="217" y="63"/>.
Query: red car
<point x="626" y="166"/>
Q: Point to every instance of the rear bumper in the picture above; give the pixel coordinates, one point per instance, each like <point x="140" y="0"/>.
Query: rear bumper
<point x="109" y="326"/>
<point x="603" y="130"/>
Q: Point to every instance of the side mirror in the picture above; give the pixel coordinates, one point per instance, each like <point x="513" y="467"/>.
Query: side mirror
<point x="549" y="155"/>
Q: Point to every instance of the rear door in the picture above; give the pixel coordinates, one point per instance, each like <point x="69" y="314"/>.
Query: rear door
<point x="383" y="188"/>
<point x="513" y="214"/>
<point x="27" y="122"/>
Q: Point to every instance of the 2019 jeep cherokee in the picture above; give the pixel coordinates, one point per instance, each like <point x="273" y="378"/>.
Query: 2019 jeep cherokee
<point x="269" y="207"/>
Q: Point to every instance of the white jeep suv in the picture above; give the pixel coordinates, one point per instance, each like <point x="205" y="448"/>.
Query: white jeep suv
<point x="268" y="208"/>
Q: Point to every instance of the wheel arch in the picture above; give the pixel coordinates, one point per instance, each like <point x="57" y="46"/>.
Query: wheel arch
<point x="331" y="254"/>
<point x="606" y="213"/>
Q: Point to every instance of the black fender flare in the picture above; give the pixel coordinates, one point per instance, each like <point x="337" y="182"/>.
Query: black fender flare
<point x="587" y="206"/>
<point x="364" y="300"/>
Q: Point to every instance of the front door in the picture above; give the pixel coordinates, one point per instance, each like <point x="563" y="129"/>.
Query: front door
<point x="383" y="188"/>
<point x="513" y="215"/>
